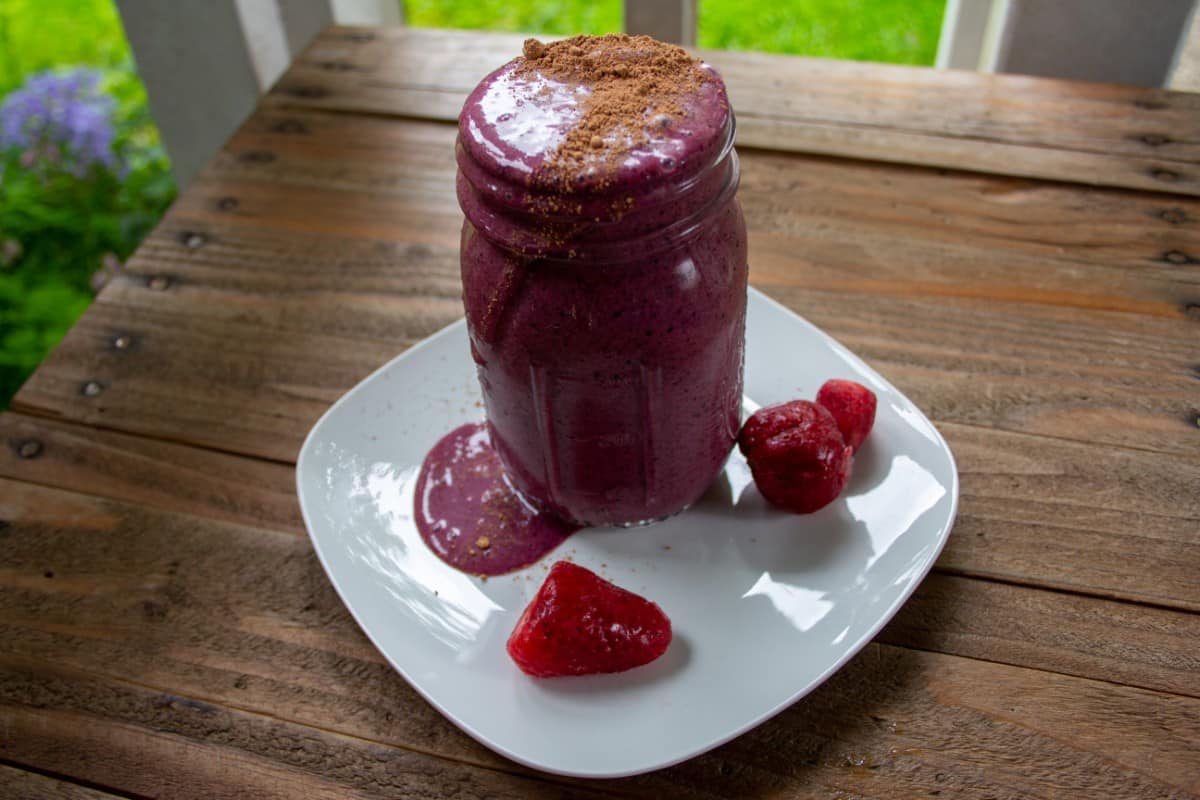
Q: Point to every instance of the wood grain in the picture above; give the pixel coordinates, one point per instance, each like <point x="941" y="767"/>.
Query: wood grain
<point x="1132" y="551"/>
<point x="1122" y="642"/>
<point x="149" y="472"/>
<point x="228" y="386"/>
<point x="17" y="783"/>
<point x="1014" y="125"/>
<point x="161" y="744"/>
<point x="118" y="617"/>
<point x="1046" y="309"/>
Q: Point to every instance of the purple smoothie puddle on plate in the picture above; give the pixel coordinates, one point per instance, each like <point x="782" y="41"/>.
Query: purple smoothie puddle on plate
<point x="469" y="514"/>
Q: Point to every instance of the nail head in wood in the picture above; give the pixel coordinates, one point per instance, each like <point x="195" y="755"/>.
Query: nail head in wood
<point x="1155" y="139"/>
<point x="257" y="157"/>
<point x="192" y="240"/>
<point x="289" y="126"/>
<point x="1176" y="257"/>
<point x="122" y="341"/>
<point x="1164" y="175"/>
<point x="30" y="448"/>
<point x="91" y="388"/>
<point x="308" y="92"/>
<point x="158" y="283"/>
<point x="227" y="204"/>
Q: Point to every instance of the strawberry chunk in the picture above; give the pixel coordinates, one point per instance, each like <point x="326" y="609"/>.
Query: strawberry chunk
<point x="852" y="405"/>
<point x="797" y="455"/>
<point x="580" y="624"/>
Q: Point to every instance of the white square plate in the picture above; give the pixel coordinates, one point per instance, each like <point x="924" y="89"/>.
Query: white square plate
<point x="765" y="605"/>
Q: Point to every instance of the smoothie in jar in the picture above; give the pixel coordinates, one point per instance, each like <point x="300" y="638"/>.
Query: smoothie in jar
<point x="604" y="274"/>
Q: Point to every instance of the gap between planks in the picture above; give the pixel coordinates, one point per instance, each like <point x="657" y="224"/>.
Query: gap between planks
<point x="88" y="789"/>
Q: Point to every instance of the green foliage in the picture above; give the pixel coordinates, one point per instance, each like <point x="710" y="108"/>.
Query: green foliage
<point x="554" y="17"/>
<point x="58" y="230"/>
<point x="897" y="31"/>
<point x="900" y="31"/>
<point x="37" y="35"/>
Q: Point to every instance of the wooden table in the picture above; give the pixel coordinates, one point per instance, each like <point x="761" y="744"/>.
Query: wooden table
<point x="1020" y="256"/>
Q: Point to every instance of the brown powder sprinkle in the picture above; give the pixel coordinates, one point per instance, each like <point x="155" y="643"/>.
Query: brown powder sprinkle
<point x="636" y="82"/>
<point x="483" y="543"/>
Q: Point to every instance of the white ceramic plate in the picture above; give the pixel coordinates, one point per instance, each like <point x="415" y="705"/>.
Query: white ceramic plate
<point x="765" y="605"/>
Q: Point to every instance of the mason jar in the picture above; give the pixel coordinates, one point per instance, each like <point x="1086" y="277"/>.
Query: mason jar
<point x="605" y="307"/>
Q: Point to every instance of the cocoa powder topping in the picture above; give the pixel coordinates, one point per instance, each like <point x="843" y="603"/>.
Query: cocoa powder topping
<point x="636" y="84"/>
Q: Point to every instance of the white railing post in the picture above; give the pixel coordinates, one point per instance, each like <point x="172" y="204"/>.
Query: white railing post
<point x="665" y="20"/>
<point x="1113" y="41"/>
<point x="205" y="64"/>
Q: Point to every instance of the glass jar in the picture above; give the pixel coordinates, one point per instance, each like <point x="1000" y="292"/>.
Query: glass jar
<point x="606" y="313"/>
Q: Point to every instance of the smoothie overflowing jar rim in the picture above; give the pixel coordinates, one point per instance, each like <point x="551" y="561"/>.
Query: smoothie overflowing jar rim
<point x="583" y="237"/>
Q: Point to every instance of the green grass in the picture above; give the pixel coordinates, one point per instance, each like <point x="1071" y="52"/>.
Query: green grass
<point x="897" y="31"/>
<point x="37" y="35"/>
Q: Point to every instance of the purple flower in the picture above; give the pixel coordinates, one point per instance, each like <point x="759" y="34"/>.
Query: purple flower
<point x="60" y="116"/>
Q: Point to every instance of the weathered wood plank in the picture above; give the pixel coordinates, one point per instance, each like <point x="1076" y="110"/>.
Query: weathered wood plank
<point x="17" y="783"/>
<point x="1000" y="124"/>
<point x="152" y="644"/>
<point x="228" y="386"/>
<point x="261" y="391"/>
<point x="149" y="472"/>
<point x="162" y="744"/>
<point x="956" y="228"/>
<point x="1125" y="643"/>
<point x="1046" y="309"/>
<point x="981" y="619"/>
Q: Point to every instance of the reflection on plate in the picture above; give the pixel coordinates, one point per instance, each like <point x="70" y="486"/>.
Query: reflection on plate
<point x="765" y="605"/>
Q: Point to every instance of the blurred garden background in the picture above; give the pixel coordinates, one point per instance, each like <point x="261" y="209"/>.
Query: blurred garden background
<point x="84" y="177"/>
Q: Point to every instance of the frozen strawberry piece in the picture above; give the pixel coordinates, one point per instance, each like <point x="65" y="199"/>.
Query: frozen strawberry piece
<point x="797" y="455"/>
<point x="580" y="624"/>
<point x="852" y="405"/>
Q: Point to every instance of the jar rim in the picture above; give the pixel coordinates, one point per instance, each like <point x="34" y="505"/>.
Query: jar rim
<point x="598" y="248"/>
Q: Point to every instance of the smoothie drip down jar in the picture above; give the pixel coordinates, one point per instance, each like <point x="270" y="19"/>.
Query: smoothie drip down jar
<point x="604" y="274"/>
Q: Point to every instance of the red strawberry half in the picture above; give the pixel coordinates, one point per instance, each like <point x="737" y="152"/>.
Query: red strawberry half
<point x="797" y="455"/>
<point x="580" y="624"/>
<point x="852" y="405"/>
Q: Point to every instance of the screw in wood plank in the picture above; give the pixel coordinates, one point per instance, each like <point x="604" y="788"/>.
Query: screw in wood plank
<point x="158" y="283"/>
<point x="227" y="204"/>
<point x="257" y="157"/>
<point x="91" y="388"/>
<point x="1155" y="139"/>
<point x="1177" y="257"/>
<point x="122" y="341"/>
<point x="30" y="448"/>
<point x="307" y="92"/>
<point x="1164" y="175"/>
<point x="289" y="126"/>
<point x="192" y="240"/>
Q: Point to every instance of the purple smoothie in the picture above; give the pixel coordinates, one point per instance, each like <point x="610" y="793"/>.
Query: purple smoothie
<point x="606" y="313"/>
<point x="468" y="514"/>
